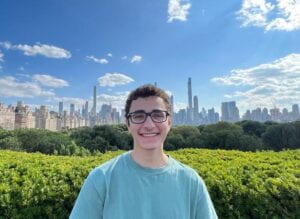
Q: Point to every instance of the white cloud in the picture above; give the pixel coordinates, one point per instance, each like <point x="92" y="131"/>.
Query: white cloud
<point x="49" y="51"/>
<point x="124" y="57"/>
<point x="114" y="79"/>
<point x="179" y="105"/>
<point x="136" y="58"/>
<point x="281" y="15"/>
<point x="50" y="81"/>
<point x="67" y="101"/>
<point x="97" y="60"/>
<point x="109" y="54"/>
<point x="10" y="87"/>
<point x="117" y="100"/>
<point x="169" y="93"/>
<point x="1" y="56"/>
<point x="266" y="84"/>
<point x="6" y="45"/>
<point x="1" y="59"/>
<point x="177" y="10"/>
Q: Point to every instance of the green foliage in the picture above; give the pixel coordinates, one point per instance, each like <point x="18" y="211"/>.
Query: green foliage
<point x="280" y="136"/>
<point x="241" y="184"/>
<point x="37" y="140"/>
<point x="103" y="138"/>
<point x="253" y="127"/>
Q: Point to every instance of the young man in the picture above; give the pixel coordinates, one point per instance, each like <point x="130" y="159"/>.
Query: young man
<point x="144" y="183"/>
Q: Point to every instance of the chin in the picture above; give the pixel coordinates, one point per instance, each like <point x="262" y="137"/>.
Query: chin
<point x="149" y="146"/>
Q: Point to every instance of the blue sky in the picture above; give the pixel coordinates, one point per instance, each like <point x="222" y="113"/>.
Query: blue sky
<point x="242" y="50"/>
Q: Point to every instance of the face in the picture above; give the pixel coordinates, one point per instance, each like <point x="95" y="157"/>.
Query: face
<point x="149" y="135"/>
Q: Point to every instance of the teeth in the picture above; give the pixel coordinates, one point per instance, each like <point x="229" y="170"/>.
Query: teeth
<point x="149" y="135"/>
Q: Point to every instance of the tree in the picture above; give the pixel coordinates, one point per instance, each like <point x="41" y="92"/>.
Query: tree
<point x="253" y="127"/>
<point x="280" y="136"/>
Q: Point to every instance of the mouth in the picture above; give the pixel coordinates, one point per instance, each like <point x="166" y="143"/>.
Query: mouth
<point x="148" y="134"/>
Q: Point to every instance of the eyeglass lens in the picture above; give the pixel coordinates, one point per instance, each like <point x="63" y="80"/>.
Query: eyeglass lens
<point x="156" y="116"/>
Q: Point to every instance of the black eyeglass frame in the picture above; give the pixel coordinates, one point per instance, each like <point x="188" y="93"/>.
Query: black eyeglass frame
<point x="129" y="115"/>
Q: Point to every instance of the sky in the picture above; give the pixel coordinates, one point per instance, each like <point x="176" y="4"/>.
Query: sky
<point x="246" y="51"/>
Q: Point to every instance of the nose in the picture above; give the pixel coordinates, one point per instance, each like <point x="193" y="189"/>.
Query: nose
<point x="148" y="122"/>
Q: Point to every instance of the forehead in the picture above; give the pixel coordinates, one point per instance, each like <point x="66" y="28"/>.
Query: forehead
<point x="148" y="104"/>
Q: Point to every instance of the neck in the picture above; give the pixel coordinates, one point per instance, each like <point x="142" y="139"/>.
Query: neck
<point x="149" y="158"/>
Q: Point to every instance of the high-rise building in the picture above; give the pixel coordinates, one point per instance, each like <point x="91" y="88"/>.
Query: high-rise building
<point x="86" y="109"/>
<point x="172" y="105"/>
<point x="95" y="101"/>
<point x="265" y="115"/>
<point x="196" y="111"/>
<point x="275" y="114"/>
<point x="256" y="115"/>
<point x="295" y="112"/>
<point x="247" y="115"/>
<point x="93" y="116"/>
<point x="212" y="116"/>
<point x="285" y="115"/>
<point x="106" y="114"/>
<point x="60" y="107"/>
<point x="7" y="117"/>
<point x="72" y="109"/>
<point x="190" y="101"/>
<point x="230" y="113"/>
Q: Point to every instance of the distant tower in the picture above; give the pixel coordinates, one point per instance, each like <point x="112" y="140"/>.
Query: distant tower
<point x="190" y="106"/>
<point x="60" y="107"/>
<point x="95" y="101"/>
<point x="155" y="84"/>
<point x="172" y="104"/>
<point x="190" y="93"/>
<point x="86" y="108"/>
<point x="72" y="109"/>
<point x="93" y="118"/>
<point x="295" y="112"/>
<point x="195" y="110"/>
<point x="230" y="112"/>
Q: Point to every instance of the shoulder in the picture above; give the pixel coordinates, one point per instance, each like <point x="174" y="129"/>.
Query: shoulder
<point x="187" y="171"/>
<point x="104" y="170"/>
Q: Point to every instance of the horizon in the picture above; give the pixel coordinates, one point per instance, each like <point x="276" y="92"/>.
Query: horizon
<point x="243" y="50"/>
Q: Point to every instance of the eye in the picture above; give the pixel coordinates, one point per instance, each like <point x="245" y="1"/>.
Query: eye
<point x="138" y="116"/>
<point x="158" y="115"/>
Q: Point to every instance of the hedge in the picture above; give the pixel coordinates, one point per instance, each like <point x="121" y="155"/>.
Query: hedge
<point x="241" y="184"/>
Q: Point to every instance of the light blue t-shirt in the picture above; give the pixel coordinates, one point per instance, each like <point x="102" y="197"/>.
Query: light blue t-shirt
<point x="122" y="189"/>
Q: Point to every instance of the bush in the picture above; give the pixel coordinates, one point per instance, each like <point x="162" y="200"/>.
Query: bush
<point x="241" y="184"/>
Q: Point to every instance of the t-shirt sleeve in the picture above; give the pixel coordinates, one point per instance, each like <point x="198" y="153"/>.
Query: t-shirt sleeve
<point x="205" y="208"/>
<point x="90" y="201"/>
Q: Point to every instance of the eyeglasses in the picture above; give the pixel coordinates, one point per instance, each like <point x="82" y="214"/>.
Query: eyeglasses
<point x="140" y="116"/>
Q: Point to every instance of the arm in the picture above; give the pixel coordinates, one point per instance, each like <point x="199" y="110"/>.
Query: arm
<point x="205" y="208"/>
<point x="90" y="201"/>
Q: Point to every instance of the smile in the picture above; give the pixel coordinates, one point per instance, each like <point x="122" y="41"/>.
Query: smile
<point x="149" y="134"/>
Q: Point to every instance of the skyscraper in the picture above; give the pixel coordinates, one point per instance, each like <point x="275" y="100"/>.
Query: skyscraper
<point x="190" y="93"/>
<point x="295" y="112"/>
<point x="60" y="107"/>
<point x="72" y="109"/>
<point x="93" y="116"/>
<point x="190" y="106"/>
<point x="86" y="109"/>
<point x="230" y="113"/>
<point x="95" y="101"/>
<point x="172" y="104"/>
<point x="196" y="111"/>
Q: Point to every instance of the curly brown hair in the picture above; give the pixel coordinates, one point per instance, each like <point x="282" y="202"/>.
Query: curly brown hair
<point x="147" y="90"/>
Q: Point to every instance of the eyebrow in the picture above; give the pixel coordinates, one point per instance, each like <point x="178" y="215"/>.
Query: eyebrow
<point x="143" y="111"/>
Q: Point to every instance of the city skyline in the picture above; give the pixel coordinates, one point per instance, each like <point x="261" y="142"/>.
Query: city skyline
<point x="190" y="108"/>
<point x="243" y="50"/>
